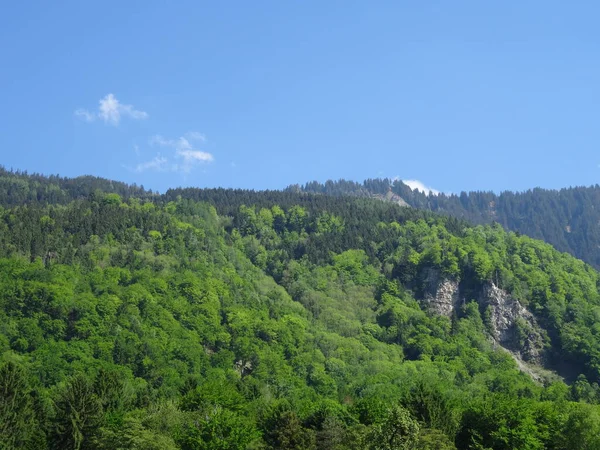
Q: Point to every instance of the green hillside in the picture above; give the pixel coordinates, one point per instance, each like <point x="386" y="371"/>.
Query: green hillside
<point x="222" y="319"/>
<point x="567" y="218"/>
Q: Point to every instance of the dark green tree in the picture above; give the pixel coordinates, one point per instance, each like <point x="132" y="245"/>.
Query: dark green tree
<point x="78" y="414"/>
<point x="17" y="415"/>
<point x="398" y="431"/>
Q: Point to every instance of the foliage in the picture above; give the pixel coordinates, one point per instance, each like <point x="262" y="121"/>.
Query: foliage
<point x="233" y="319"/>
<point x="565" y="218"/>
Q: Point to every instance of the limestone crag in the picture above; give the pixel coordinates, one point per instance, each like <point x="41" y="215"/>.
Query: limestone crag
<point x="440" y="295"/>
<point x="391" y="197"/>
<point x="510" y="324"/>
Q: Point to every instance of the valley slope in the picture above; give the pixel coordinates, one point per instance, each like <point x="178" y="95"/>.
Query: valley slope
<point x="232" y="319"/>
<point x="568" y="219"/>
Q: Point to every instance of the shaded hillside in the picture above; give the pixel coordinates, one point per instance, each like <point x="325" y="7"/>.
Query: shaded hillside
<point x="569" y="219"/>
<point x="533" y="273"/>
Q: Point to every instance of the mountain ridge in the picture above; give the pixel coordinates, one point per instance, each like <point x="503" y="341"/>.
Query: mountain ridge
<point x="220" y="318"/>
<point x="568" y="218"/>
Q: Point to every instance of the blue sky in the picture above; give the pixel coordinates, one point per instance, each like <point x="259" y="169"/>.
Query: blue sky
<point x="459" y="95"/>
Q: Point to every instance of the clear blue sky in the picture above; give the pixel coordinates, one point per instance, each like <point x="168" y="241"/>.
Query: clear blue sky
<point x="460" y="95"/>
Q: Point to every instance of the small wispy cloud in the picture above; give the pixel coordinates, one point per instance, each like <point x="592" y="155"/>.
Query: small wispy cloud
<point x="85" y="115"/>
<point x="418" y="186"/>
<point x="185" y="157"/>
<point x="111" y="110"/>
<point x="194" y="135"/>
<point x="158" y="163"/>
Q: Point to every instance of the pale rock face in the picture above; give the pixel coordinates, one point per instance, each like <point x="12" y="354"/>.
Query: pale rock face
<point x="504" y="310"/>
<point x="391" y="197"/>
<point x="506" y="315"/>
<point x="441" y="295"/>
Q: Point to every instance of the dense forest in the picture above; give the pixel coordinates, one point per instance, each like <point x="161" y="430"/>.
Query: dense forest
<point x="20" y="188"/>
<point x="232" y="319"/>
<point x="568" y="219"/>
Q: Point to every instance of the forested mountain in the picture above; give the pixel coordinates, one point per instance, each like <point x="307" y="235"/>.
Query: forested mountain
<point x="232" y="319"/>
<point x="19" y="188"/>
<point x="569" y="219"/>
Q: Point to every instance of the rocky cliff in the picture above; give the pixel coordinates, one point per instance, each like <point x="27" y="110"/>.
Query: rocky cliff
<point x="440" y="295"/>
<point x="509" y="323"/>
<point x="391" y="197"/>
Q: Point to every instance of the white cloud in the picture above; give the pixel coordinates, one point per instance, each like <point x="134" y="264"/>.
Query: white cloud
<point x="159" y="140"/>
<point x="195" y="155"/>
<point x="158" y="163"/>
<point x="185" y="153"/>
<point x="111" y="110"/>
<point x="85" y="115"/>
<point x="419" y="186"/>
<point x="194" y="135"/>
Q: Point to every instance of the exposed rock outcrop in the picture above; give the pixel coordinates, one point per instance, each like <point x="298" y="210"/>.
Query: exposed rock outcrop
<point x="440" y="295"/>
<point x="391" y="197"/>
<point x="511" y="325"/>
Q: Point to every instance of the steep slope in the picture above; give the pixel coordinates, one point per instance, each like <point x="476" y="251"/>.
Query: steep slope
<point x="241" y="319"/>
<point x="485" y="264"/>
<point x="567" y="219"/>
